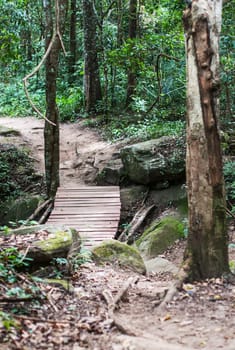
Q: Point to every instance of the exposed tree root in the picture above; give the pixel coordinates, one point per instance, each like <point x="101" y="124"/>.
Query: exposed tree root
<point x="176" y="286"/>
<point x="113" y="303"/>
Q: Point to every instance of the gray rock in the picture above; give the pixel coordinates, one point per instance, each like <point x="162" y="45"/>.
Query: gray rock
<point x="111" y="174"/>
<point x="160" y="265"/>
<point x="155" y="161"/>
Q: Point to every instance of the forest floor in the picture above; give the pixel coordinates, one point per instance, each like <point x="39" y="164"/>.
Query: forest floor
<point x="201" y="316"/>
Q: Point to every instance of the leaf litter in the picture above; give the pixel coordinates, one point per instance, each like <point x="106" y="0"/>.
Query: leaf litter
<point x="201" y="316"/>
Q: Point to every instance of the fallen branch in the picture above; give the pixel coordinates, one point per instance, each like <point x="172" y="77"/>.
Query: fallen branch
<point x="38" y="209"/>
<point x="138" y="219"/>
<point x="46" y="214"/>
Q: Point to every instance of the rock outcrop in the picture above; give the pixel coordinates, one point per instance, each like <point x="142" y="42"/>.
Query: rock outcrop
<point x="154" y="161"/>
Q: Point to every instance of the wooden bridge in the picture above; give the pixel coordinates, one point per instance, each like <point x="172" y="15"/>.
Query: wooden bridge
<point x="93" y="210"/>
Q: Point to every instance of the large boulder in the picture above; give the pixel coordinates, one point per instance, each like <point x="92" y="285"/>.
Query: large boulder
<point x="159" y="236"/>
<point x="111" y="174"/>
<point x="18" y="209"/>
<point x="121" y="253"/>
<point x="153" y="161"/>
<point x="44" y="242"/>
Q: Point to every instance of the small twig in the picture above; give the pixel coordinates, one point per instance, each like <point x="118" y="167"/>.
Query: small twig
<point x="36" y="319"/>
<point x="48" y="296"/>
<point x="230" y="213"/>
<point x="26" y="252"/>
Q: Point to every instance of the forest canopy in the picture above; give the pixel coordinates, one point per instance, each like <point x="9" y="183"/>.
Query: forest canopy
<point x="146" y="46"/>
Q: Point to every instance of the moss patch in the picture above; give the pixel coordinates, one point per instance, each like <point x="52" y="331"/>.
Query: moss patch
<point x="18" y="209"/>
<point x="159" y="236"/>
<point x="121" y="253"/>
<point x="60" y="240"/>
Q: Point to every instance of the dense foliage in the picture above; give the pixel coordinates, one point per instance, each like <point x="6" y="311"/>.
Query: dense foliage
<point x="16" y="171"/>
<point x="155" y="56"/>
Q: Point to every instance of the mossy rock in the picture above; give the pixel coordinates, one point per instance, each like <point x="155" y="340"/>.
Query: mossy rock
<point x="57" y="244"/>
<point x="121" y="253"/>
<point x="18" y="209"/>
<point x="159" y="236"/>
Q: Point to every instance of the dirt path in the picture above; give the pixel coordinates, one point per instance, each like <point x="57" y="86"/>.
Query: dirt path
<point x="78" y="148"/>
<point x="202" y="316"/>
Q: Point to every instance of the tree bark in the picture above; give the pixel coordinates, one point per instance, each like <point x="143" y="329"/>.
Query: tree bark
<point x="51" y="131"/>
<point x="72" y="40"/>
<point x="207" y="248"/>
<point x="92" y="84"/>
<point x="131" y="78"/>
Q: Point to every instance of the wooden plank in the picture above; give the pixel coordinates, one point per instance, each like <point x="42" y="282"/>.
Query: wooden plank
<point x="93" y="202"/>
<point x="85" y="199"/>
<point x="85" y="193"/>
<point x="87" y="229"/>
<point x="96" y="189"/>
<point x="93" y="210"/>
<point x="89" y="188"/>
<point x="84" y="227"/>
<point x="82" y="216"/>
<point x="109" y="210"/>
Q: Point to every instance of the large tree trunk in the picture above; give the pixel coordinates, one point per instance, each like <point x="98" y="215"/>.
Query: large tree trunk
<point x="131" y="79"/>
<point x="51" y="131"/>
<point x="207" y="250"/>
<point x="92" y="78"/>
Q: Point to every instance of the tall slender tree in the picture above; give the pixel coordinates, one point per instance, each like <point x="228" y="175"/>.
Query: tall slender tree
<point x="207" y="250"/>
<point x="131" y="79"/>
<point x="92" y="84"/>
<point x="51" y="129"/>
<point x="72" y="41"/>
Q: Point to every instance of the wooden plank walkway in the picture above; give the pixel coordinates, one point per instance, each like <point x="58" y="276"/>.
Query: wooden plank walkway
<point x="93" y="210"/>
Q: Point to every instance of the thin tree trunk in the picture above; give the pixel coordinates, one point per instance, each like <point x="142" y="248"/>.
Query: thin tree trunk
<point x="92" y="84"/>
<point x="207" y="250"/>
<point x="72" y="41"/>
<point x="131" y="78"/>
<point x="51" y="131"/>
